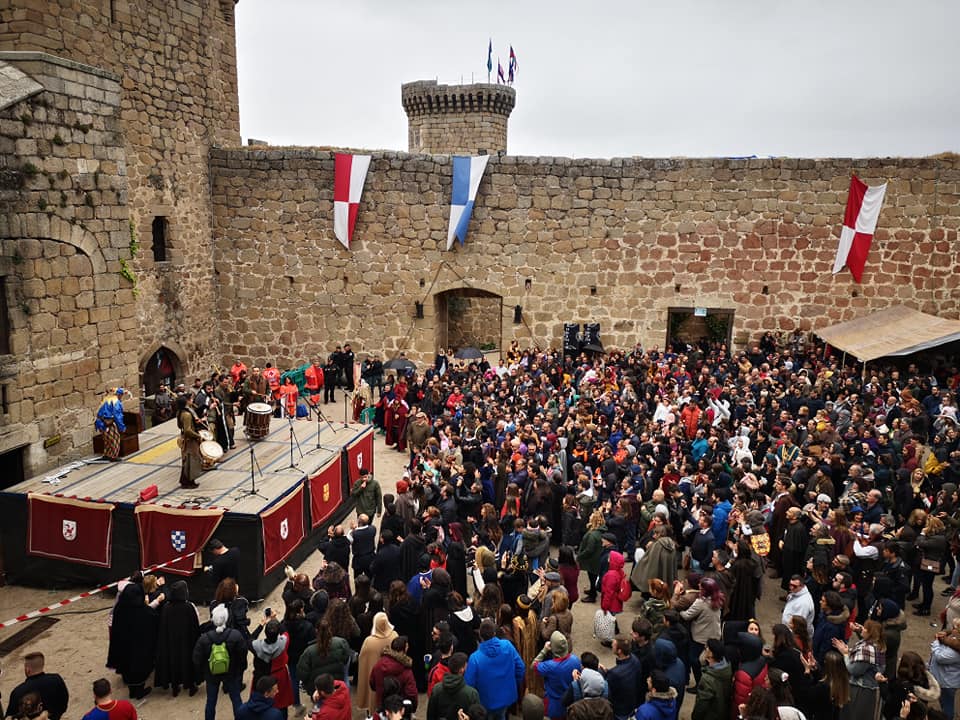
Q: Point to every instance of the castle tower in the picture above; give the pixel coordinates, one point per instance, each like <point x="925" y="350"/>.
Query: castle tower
<point x="447" y="119"/>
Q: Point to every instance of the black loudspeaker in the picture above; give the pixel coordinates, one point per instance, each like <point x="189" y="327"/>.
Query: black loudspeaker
<point x="517" y="314"/>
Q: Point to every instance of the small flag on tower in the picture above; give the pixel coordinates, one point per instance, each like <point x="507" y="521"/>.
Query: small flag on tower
<point x="500" y="77"/>
<point x="467" y="172"/>
<point x="489" y="59"/>
<point x="349" y="174"/>
<point x="859" y="223"/>
<point x="513" y="66"/>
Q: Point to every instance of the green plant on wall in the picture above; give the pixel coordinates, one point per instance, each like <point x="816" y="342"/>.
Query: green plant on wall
<point x="456" y="307"/>
<point x="717" y="328"/>
<point x="125" y="270"/>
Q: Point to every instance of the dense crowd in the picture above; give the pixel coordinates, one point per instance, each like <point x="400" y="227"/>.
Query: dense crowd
<point x="671" y="489"/>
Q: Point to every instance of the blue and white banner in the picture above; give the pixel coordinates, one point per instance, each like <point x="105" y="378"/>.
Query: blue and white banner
<point x="467" y="172"/>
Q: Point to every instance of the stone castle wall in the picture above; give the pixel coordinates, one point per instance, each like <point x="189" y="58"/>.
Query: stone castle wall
<point x="64" y="228"/>
<point x="178" y="96"/>
<point x="172" y="66"/>
<point x="617" y="242"/>
<point x="461" y="119"/>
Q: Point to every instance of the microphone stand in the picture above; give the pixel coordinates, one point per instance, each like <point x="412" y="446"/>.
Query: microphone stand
<point x="253" y="481"/>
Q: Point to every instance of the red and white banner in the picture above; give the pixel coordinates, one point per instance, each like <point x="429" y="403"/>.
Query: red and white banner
<point x="349" y="174"/>
<point x="859" y="223"/>
<point x="167" y="533"/>
<point x="326" y="491"/>
<point x="360" y="455"/>
<point x="282" y="529"/>
<point x="68" y="529"/>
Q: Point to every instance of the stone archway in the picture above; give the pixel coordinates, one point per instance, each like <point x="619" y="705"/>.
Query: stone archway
<point x="468" y="317"/>
<point x="162" y="361"/>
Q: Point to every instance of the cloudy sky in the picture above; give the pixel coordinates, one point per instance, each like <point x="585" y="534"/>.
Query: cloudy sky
<point x="807" y="78"/>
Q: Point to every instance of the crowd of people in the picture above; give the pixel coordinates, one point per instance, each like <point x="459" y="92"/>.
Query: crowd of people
<point x="672" y="490"/>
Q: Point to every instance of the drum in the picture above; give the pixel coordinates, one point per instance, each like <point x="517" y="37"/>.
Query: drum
<point x="256" y="420"/>
<point x="206" y="435"/>
<point x="210" y="454"/>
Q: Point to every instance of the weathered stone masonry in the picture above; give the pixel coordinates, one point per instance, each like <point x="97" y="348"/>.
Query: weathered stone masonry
<point x="755" y="236"/>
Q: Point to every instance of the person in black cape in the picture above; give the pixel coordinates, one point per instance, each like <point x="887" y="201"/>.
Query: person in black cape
<point x="413" y="546"/>
<point x="133" y="638"/>
<point x="176" y="638"/>
<point x="746" y="583"/>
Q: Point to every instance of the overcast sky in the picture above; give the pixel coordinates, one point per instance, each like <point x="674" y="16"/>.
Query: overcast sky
<point x="806" y="78"/>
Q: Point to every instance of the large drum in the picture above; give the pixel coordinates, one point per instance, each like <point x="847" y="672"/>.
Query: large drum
<point x="210" y="454"/>
<point x="206" y="435"/>
<point x="256" y="420"/>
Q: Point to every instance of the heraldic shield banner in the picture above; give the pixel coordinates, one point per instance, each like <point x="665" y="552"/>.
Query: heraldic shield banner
<point x="67" y="529"/>
<point x="166" y="533"/>
<point x="360" y="455"/>
<point x="326" y="491"/>
<point x="282" y="528"/>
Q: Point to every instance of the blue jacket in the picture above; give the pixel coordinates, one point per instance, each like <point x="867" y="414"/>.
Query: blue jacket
<point x="557" y="676"/>
<point x="258" y="707"/>
<point x="111" y="409"/>
<point x="720" y="528"/>
<point x="495" y="669"/>
<point x="825" y="630"/>
<point x="660" y="706"/>
<point x="665" y="659"/>
<point x="628" y="685"/>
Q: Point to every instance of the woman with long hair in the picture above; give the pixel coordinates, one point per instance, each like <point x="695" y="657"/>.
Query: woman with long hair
<point x="801" y="635"/>
<point x="658" y="603"/>
<point x="912" y="678"/>
<point x="404" y="615"/>
<point x="932" y="546"/>
<point x="788" y="658"/>
<point x="865" y="663"/>
<point x="228" y="594"/>
<point x="830" y="694"/>
<point x="526" y="638"/>
<point x="560" y="618"/>
<point x="704" y="619"/>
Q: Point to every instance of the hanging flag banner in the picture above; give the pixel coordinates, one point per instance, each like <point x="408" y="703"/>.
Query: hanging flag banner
<point x="859" y="222"/>
<point x="571" y="338"/>
<point x="66" y="529"/>
<point x="166" y="533"/>
<point x="467" y="173"/>
<point x="282" y="528"/>
<point x="349" y="174"/>
<point x="360" y="455"/>
<point x="326" y="491"/>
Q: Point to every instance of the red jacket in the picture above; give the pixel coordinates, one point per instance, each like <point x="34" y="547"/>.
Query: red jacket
<point x="614" y="587"/>
<point x="398" y="666"/>
<point x="336" y="706"/>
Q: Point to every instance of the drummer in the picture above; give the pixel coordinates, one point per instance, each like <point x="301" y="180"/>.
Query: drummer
<point x="256" y="388"/>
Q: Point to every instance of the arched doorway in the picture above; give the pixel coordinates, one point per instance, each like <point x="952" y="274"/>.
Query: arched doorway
<point x="468" y="317"/>
<point x="162" y="365"/>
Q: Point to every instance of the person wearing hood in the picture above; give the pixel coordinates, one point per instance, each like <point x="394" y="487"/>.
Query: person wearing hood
<point x="592" y="703"/>
<point x="270" y="658"/>
<point x="261" y="705"/>
<point x="661" y="701"/>
<point x="614" y="586"/>
<point x="659" y="561"/>
<point x="237" y="649"/>
<point x="556" y="664"/>
<point x="176" y="638"/>
<point x="831" y="624"/>
<point x="666" y="661"/>
<point x="133" y="637"/>
<point x="714" y="689"/>
<point x="373" y="646"/>
<point x="752" y="672"/>
<point x="395" y="663"/>
<point x="452" y="694"/>
<point x="496" y="671"/>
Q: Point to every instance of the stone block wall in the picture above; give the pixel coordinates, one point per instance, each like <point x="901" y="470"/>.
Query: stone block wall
<point x="176" y="61"/>
<point x="464" y="119"/>
<point x="64" y="232"/>
<point x="611" y="241"/>
<point x="476" y="322"/>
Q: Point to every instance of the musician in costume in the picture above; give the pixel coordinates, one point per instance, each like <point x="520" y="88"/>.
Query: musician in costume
<point x="256" y="388"/>
<point x="272" y="375"/>
<point x="191" y="465"/>
<point x="225" y="396"/>
<point x="314" y="376"/>
<point x="110" y="424"/>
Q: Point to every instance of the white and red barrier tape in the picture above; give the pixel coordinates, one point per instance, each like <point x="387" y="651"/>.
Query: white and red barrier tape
<point x="84" y="595"/>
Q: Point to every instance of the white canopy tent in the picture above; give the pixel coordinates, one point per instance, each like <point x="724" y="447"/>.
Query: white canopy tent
<point x="892" y="332"/>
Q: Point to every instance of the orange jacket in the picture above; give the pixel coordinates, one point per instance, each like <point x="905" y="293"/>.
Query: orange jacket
<point x="289" y="395"/>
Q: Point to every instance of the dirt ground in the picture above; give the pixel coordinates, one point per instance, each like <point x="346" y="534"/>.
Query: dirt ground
<point x="76" y="646"/>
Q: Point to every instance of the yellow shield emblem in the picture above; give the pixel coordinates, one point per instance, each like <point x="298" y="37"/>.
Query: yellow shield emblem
<point x="326" y="491"/>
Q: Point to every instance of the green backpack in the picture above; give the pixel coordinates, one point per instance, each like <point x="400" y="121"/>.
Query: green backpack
<point x="219" y="662"/>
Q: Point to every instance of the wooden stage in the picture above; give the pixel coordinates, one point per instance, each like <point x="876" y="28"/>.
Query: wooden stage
<point x="158" y="463"/>
<point x="48" y="518"/>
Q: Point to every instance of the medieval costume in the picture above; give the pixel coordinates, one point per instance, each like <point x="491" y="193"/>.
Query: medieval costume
<point x="110" y="424"/>
<point x="133" y="637"/>
<point x="190" y="462"/>
<point x="178" y="633"/>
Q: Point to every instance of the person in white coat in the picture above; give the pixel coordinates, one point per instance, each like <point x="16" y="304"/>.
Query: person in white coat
<point x="799" y="602"/>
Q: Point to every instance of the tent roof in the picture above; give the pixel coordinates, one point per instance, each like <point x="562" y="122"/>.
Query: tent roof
<point x="898" y="330"/>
